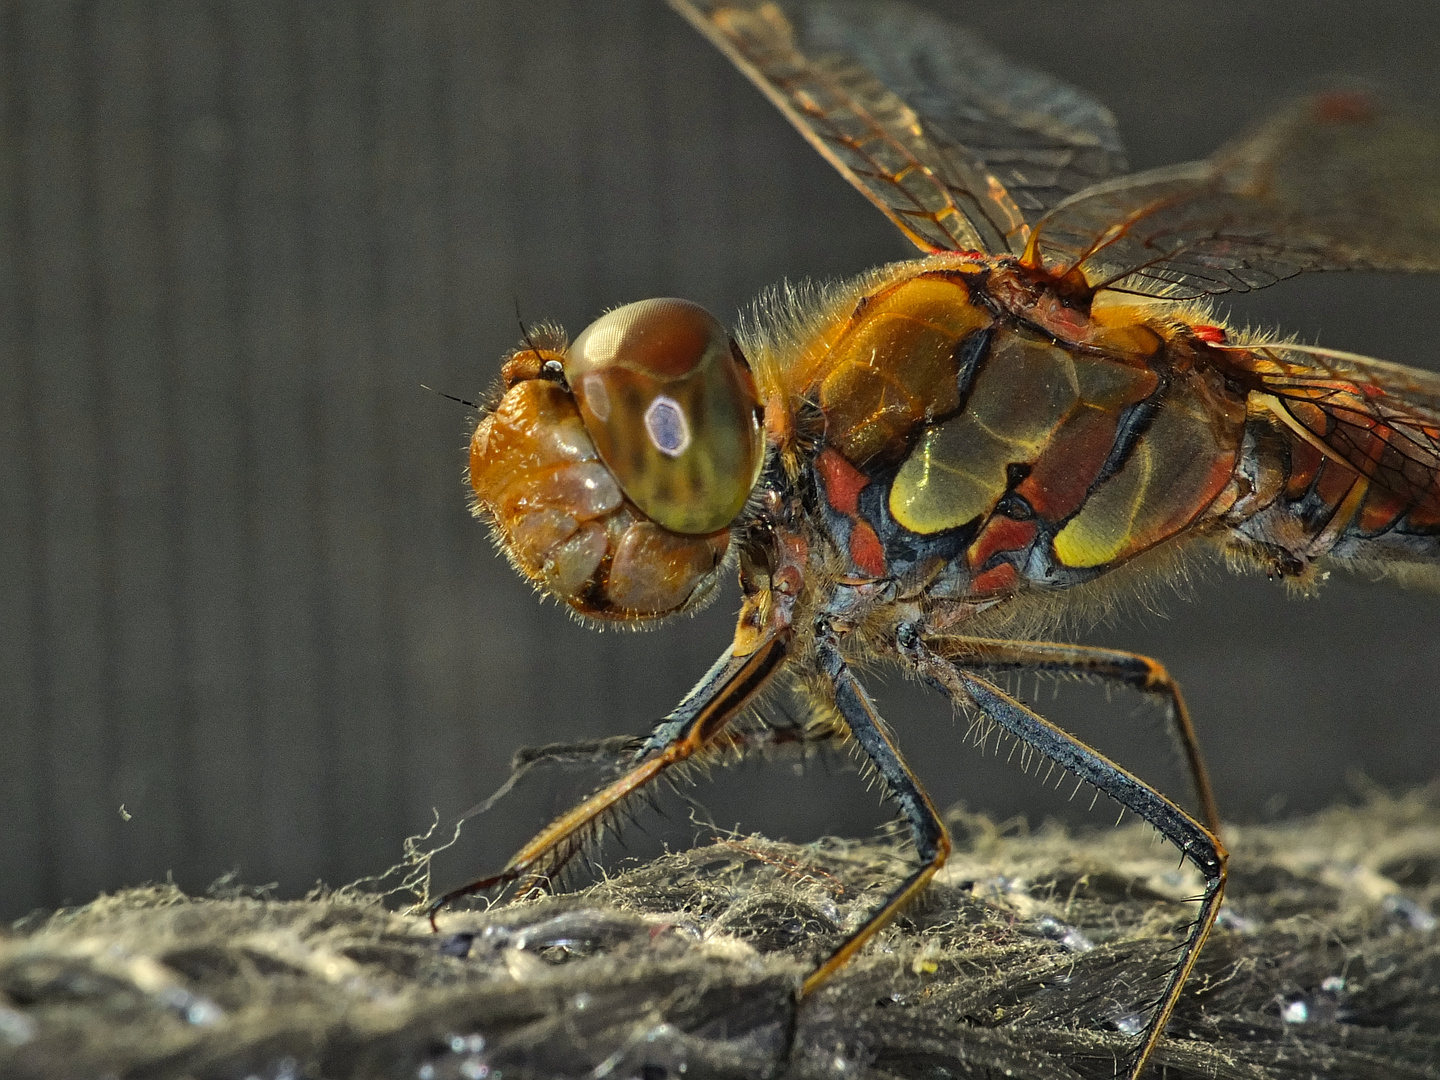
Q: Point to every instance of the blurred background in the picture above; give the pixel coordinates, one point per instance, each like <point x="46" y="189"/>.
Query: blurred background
<point x="246" y="622"/>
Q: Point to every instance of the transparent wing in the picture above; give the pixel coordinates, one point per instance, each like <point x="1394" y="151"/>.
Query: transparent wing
<point x="1339" y="181"/>
<point x="1383" y="420"/>
<point x="960" y="148"/>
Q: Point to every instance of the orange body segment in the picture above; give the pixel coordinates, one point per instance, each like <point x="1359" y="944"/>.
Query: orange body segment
<point x="874" y="403"/>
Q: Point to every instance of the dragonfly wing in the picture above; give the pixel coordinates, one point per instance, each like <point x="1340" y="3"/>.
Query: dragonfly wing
<point x="962" y="149"/>
<point x="1383" y="420"/>
<point x="1338" y="181"/>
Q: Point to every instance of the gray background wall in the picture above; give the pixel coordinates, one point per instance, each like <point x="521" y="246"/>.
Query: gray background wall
<point x="239" y="590"/>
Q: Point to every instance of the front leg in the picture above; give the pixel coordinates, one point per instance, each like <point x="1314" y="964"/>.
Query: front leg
<point x="932" y="842"/>
<point x="693" y="726"/>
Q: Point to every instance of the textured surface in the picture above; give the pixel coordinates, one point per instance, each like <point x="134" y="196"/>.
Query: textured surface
<point x="1029" y="958"/>
<point x="239" y="591"/>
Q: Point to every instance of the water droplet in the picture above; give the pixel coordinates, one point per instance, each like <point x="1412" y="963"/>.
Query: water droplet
<point x="16" y="1028"/>
<point x="1408" y="911"/>
<point x="1130" y="1024"/>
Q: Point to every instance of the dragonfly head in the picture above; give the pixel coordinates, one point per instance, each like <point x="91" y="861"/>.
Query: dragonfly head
<point x="613" y="468"/>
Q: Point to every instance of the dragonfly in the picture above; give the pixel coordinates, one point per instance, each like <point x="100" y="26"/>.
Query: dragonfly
<point x="928" y="465"/>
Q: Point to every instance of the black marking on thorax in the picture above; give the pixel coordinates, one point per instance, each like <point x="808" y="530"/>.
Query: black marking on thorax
<point x="905" y="550"/>
<point x="969" y="356"/>
<point x="1134" y="422"/>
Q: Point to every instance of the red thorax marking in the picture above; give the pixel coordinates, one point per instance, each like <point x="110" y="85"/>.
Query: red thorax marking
<point x="1000" y="534"/>
<point x="842" y="481"/>
<point x="997" y="579"/>
<point x="865" y="550"/>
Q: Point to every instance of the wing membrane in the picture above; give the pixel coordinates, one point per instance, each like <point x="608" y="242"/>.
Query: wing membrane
<point x="960" y="148"/>
<point x="1383" y="420"/>
<point x="1339" y="181"/>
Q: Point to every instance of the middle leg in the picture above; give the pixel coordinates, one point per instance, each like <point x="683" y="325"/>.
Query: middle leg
<point x="932" y="842"/>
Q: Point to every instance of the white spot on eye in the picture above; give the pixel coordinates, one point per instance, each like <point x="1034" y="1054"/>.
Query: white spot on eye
<point x="1295" y="1012"/>
<point x="597" y="397"/>
<point x="603" y="343"/>
<point x="667" y="427"/>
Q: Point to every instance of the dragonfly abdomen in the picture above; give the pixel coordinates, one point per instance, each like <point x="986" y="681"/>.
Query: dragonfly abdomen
<point x="1303" y="502"/>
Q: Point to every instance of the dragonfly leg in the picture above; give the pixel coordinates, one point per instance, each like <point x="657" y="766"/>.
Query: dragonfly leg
<point x="768" y="740"/>
<point x="932" y="842"/>
<point x="692" y="726"/>
<point x="1137" y="672"/>
<point x="1196" y="843"/>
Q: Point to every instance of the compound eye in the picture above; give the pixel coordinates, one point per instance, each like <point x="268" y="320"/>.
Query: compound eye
<point x="673" y="411"/>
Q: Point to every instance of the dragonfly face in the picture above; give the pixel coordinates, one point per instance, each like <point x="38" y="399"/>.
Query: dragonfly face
<point x="613" y="467"/>
<point x="1037" y="401"/>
